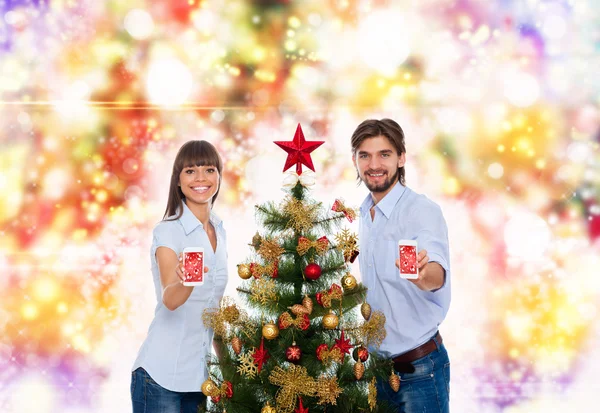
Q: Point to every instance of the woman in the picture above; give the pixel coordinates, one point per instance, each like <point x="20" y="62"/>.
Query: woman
<point x="170" y="366"/>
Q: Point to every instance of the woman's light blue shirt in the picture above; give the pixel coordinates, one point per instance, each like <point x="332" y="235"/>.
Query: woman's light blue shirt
<point x="175" y="350"/>
<point x="412" y="315"/>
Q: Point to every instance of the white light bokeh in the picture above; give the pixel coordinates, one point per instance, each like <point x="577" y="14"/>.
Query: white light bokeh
<point x="55" y="183"/>
<point x="554" y="26"/>
<point x="495" y="170"/>
<point x="383" y="41"/>
<point x="139" y="24"/>
<point x="205" y="21"/>
<point x="521" y="89"/>
<point x="169" y="82"/>
<point x="579" y="152"/>
<point x="527" y="236"/>
<point x="261" y="178"/>
<point x="73" y="103"/>
<point x="44" y="399"/>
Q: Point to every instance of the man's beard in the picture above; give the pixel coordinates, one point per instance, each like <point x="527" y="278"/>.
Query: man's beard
<point x="384" y="186"/>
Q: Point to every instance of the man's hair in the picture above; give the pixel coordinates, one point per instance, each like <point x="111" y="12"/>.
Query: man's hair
<point x="372" y="128"/>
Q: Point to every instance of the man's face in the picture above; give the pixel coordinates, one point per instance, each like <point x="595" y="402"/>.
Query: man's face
<point x="377" y="163"/>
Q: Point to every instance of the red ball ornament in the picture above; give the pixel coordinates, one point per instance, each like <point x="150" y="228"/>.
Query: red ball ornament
<point x="320" y="349"/>
<point x="361" y="353"/>
<point x="228" y="389"/>
<point x="312" y="271"/>
<point x="293" y="354"/>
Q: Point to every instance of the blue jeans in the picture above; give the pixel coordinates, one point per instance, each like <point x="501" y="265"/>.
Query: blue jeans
<point x="427" y="389"/>
<point x="147" y="396"/>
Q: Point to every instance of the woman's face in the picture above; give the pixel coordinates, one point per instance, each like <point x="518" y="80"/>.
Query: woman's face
<point x="199" y="183"/>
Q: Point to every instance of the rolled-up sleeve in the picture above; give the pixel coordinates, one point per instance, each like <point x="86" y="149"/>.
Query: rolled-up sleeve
<point x="432" y="236"/>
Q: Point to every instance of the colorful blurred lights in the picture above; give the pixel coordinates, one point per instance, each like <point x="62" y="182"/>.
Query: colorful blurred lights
<point x="45" y="290"/>
<point x="81" y="343"/>
<point x="29" y="311"/>
<point x="519" y="326"/>
<point x="139" y="24"/>
<point x="527" y="236"/>
<point x="62" y="308"/>
<point x="169" y="82"/>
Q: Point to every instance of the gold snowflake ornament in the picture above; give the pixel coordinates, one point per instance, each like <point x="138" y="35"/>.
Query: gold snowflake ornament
<point x="263" y="290"/>
<point x="247" y="367"/>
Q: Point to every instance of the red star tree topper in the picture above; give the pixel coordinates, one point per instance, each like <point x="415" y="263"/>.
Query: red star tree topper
<point x="299" y="151"/>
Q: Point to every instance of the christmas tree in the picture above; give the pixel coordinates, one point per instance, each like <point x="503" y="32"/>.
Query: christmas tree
<point x="303" y="347"/>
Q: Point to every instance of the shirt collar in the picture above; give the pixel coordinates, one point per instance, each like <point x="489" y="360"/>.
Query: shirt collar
<point x="190" y="222"/>
<point x="387" y="204"/>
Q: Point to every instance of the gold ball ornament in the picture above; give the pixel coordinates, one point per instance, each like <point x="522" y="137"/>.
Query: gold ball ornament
<point x="394" y="382"/>
<point x="365" y="310"/>
<point x="270" y="331"/>
<point x="268" y="409"/>
<point x="359" y="370"/>
<point x="244" y="271"/>
<point x="330" y="321"/>
<point x="349" y="282"/>
<point x="209" y="388"/>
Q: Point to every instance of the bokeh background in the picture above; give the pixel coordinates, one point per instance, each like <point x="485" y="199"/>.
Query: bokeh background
<point x="499" y="101"/>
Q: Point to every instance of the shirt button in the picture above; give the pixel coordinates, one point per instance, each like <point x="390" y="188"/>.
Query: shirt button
<point x="370" y="265"/>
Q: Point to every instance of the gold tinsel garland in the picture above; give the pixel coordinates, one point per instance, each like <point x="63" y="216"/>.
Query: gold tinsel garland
<point x="270" y="249"/>
<point x="372" y="398"/>
<point x="328" y="390"/>
<point x="294" y="381"/>
<point x="301" y="214"/>
<point x="263" y="290"/>
<point x="223" y="318"/>
<point x="373" y="330"/>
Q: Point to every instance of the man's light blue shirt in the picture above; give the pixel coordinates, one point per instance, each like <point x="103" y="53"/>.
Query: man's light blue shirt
<point x="412" y="315"/>
<point x="175" y="350"/>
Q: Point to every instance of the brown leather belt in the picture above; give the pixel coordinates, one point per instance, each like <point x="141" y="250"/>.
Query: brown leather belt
<point x="421" y="351"/>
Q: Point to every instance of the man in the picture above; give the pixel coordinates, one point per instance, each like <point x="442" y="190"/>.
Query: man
<point x="414" y="308"/>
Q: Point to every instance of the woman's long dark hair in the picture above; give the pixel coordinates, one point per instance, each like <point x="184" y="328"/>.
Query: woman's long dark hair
<point x="192" y="153"/>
